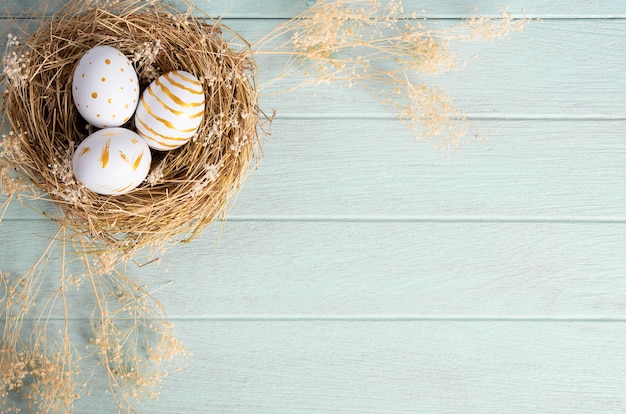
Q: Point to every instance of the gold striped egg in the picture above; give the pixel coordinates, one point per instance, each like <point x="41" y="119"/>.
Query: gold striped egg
<point x="170" y="110"/>
<point x="112" y="161"/>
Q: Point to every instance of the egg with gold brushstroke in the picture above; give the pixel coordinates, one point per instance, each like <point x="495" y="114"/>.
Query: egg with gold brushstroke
<point x="170" y="110"/>
<point x="105" y="87"/>
<point x="112" y="161"/>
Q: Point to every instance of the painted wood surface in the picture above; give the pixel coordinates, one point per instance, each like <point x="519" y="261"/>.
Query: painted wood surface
<point x="361" y="271"/>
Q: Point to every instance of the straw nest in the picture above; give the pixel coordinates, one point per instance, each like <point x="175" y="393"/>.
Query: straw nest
<point x="187" y="188"/>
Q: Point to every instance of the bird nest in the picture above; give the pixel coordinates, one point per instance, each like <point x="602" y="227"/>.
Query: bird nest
<point x="187" y="188"/>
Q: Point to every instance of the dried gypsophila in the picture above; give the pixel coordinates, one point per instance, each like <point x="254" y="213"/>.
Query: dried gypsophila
<point x="11" y="148"/>
<point x="155" y="176"/>
<point x="69" y="189"/>
<point x="144" y="59"/>
<point x="11" y="157"/>
<point x="386" y="49"/>
<point x="15" y="65"/>
<point x="211" y="174"/>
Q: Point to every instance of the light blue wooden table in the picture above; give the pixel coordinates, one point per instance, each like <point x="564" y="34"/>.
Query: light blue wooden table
<point x="360" y="271"/>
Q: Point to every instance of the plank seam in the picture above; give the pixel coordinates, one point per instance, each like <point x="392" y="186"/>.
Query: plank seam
<point x="432" y="219"/>
<point x="382" y="318"/>
<point x="456" y="17"/>
<point x="401" y="219"/>
<point x="470" y="117"/>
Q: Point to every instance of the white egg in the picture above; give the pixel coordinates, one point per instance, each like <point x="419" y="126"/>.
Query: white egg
<point x="112" y="161"/>
<point x="170" y="110"/>
<point x="105" y="87"/>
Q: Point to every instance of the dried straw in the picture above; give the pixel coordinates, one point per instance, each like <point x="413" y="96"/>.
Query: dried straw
<point x="187" y="188"/>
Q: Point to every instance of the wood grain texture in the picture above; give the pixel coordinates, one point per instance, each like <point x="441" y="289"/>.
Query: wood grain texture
<point x="361" y="271"/>
<point x="382" y="367"/>
<point x="504" y="79"/>
<point x="263" y="367"/>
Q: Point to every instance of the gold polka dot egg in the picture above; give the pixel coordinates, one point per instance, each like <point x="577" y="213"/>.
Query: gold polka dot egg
<point x="105" y="87"/>
<point x="112" y="161"/>
<point x="170" y="110"/>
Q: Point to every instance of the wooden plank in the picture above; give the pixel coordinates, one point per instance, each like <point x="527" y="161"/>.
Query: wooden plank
<point x="404" y="368"/>
<point x="399" y="269"/>
<point x="432" y="8"/>
<point x="565" y="83"/>
<point x="546" y="72"/>
<point x="371" y="169"/>
<point x="391" y="367"/>
<point x="406" y="270"/>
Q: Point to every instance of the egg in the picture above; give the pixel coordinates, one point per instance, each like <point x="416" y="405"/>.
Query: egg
<point x="112" y="161"/>
<point x="105" y="87"/>
<point x="170" y="110"/>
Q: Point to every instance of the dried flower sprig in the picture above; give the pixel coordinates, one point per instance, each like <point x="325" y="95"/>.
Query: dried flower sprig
<point x="42" y="370"/>
<point x="15" y="64"/>
<point x="131" y="336"/>
<point x="136" y="344"/>
<point x="387" y="50"/>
